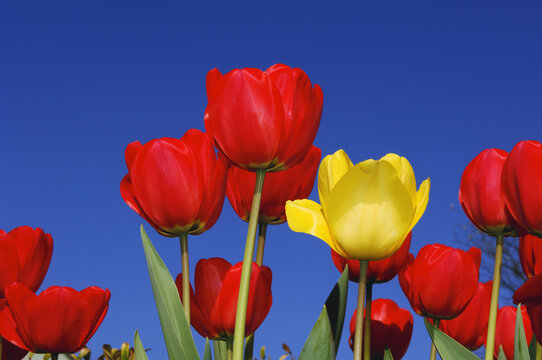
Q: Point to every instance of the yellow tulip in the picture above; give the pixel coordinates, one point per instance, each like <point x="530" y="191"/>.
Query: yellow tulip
<point x="366" y="210"/>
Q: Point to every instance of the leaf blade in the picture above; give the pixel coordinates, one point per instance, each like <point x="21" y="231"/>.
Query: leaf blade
<point x="336" y="307"/>
<point x="448" y="348"/>
<point x="319" y="344"/>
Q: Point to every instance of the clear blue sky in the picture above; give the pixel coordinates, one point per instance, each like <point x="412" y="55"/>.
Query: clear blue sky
<point x="79" y="80"/>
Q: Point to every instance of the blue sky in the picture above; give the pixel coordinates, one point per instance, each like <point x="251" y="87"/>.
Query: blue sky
<point x="436" y="82"/>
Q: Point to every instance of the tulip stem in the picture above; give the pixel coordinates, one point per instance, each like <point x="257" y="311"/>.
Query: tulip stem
<point x="262" y="229"/>
<point x="54" y="356"/>
<point x="433" y="355"/>
<point x="229" y="350"/>
<point x="185" y="276"/>
<point x="367" y="322"/>
<point x="538" y="351"/>
<point x="490" y="341"/>
<point x="242" y="300"/>
<point x="358" y="339"/>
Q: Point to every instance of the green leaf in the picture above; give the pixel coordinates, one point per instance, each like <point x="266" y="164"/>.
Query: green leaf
<point x="387" y="354"/>
<point x="532" y="348"/>
<point x="220" y="350"/>
<point x="177" y="335"/>
<point x="521" y="350"/>
<point x="319" y="344"/>
<point x="501" y="354"/>
<point x="140" y="353"/>
<point x="336" y="307"/>
<point x="448" y="348"/>
<point x="207" y="351"/>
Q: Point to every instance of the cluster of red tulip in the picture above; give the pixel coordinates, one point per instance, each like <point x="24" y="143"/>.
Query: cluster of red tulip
<point x="59" y="319"/>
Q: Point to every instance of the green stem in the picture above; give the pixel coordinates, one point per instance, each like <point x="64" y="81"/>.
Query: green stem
<point x="538" y="351"/>
<point x="490" y="341"/>
<point x="242" y="300"/>
<point x="185" y="275"/>
<point x="367" y="322"/>
<point x="229" y="350"/>
<point x="433" y="355"/>
<point x="358" y="339"/>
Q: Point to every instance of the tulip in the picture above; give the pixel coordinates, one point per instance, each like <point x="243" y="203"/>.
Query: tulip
<point x="25" y="255"/>
<point x="470" y="327"/>
<point x="530" y="255"/>
<point x="263" y="119"/>
<point x="366" y="210"/>
<point x="12" y="352"/>
<point x="506" y="325"/>
<point x="59" y="320"/>
<point x="522" y="184"/>
<point x="530" y="295"/>
<point x="379" y="271"/>
<point x="178" y="186"/>
<point x="481" y="194"/>
<point x="441" y="281"/>
<point x="294" y="183"/>
<point x="391" y="327"/>
<point x="214" y="301"/>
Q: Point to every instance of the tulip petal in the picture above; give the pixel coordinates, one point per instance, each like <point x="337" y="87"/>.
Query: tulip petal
<point x="422" y="198"/>
<point x="332" y="169"/>
<point x="8" y="328"/>
<point x="370" y="211"/>
<point x="306" y="216"/>
<point x="130" y="153"/>
<point x="530" y="291"/>
<point x="404" y="171"/>
<point x="97" y="306"/>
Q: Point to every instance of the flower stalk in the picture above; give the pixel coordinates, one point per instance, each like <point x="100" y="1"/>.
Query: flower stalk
<point x="490" y="341"/>
<point x="358" y="339"/>
<point x="186" y="275"/>
<point x="433" y="355"/>
<point x="367" y="322"/>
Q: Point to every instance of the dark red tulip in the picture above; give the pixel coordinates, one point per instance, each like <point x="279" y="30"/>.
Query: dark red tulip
<point x="178" y="186"/>
<point x="530" y="295"/>
<point x="59" y="320"/>
<point x="263" y="119"/>
<point x="505" y="330"/>
<point x="530" y="255"/>
<point x="441" y="281"/>
<point x="213" y="305"/>
<point x="379" y="271"/>
<point x="279" y="187"/>
<point x="481" y="194"/>
<point x="522" y="184"/>
<point x="12" y="352"/>
<point x="470" y="327"/>
<point x="25" y="255"/>
<point x="391" y="327"/>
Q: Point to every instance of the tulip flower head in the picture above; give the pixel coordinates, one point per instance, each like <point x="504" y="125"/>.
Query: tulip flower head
<point x="213" y="304"/>
<point x="522" y="184"/>
<point x="441" y="281"/>
<point x="470" y="327"/>
<point x="178" y="186"/>
<point x="263" y="119"/>
<point x="366" y="210"/>
<point x="482" y="197"/>
<point x="391" y="328"/>
<point x="25" y="255"/>
<point x="530" y="295"/>
<point x="279" y="187"/>
<point x="530" y="255"/>
<point x="505" y="330"/>
<point x="59" y="320"/>
<point x="378" y="271"/>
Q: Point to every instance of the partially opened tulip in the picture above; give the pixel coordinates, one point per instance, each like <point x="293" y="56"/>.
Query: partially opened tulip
<point x="59" y="320"/>
<point x="391" y="327"/>
<point x="530" y="255"/>
<point x="25" y="254"/>
<point x="506" y="325"/>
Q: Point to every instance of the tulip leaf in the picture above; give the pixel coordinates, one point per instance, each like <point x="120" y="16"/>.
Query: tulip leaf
<point x="220" y="351"/>
<point x="532" y="349"/>
<point x="336" y="307"/>
<point x="175" y="328"/>
<point x="521" y="350"/>
<point x="207" y="351"/>
<point x="387" y="354"/>
<point x="501" y="354"/>
<point x="448" y="348"/>
<point x="249" y="347"/>
<point x="140" y="353"/>
<point x="319" y="345"/>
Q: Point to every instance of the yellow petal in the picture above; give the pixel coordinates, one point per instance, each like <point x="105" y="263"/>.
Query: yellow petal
<point x="306" y="216"/>
<point x="332" y="168"/>
<point x="422" y="197"/>
<point x="405" y="173"/>
<point x="370" y="211"/>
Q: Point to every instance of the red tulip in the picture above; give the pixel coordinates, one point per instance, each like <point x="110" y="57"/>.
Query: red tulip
<point x="263" y="119"/>
<point x="470" y="327"/>
<point x="213" y="305"/>
<point x="279" y="187"/>
<point x="379" y="271"/>
<point x="522" y="184"/>
<point x="530" y="295"/>
<point x="12" y="352"/>
<point x="441" y="281"/>
<point x="482" y="197"/>
<point x="25" y="255"/>
<point x="530" y="255"/>
<point x="178" y="186"/>
<point x="59" y="320"/>
<point x="505" y="330"/>
<point x="391" y="327"/>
